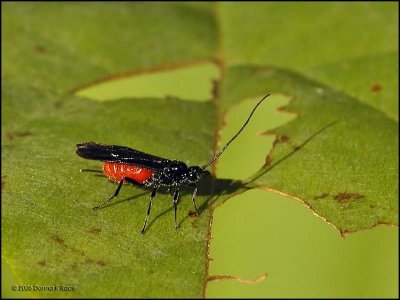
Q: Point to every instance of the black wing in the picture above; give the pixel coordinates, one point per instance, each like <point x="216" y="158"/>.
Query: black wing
<point x="120" y="154"/>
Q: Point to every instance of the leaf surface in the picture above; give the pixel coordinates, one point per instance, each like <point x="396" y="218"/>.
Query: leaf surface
<point x="339" y="154"/>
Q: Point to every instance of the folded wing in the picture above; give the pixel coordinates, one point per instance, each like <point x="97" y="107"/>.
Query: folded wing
<point x="120" y="154"/>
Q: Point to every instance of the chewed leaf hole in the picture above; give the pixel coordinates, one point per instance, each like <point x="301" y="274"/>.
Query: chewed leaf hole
<point x="192" y="82"/>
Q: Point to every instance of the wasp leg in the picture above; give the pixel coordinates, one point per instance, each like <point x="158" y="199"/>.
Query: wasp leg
<point x="193" y="200"/>
<point x="153" y="194"/>
<point x="176" y="197"/>
<point x="109" y="199"/>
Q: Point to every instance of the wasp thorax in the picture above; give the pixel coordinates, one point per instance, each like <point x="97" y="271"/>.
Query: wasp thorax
<point x="175" y="170"/>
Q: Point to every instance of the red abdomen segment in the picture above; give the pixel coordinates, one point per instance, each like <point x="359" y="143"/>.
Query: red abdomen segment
<point x="118" y="171"/>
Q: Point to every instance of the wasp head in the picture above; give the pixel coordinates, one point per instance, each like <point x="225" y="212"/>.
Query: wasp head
<point x="193" y="174"/>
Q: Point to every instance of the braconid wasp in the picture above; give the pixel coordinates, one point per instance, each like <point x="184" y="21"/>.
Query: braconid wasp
<point x="127" y="165"/>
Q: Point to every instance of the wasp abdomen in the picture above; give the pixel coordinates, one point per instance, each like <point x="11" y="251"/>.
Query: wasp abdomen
<point x="118" y="171"/>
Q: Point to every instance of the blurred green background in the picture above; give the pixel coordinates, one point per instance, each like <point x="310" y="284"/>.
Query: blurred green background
<point x="349" y="47"/>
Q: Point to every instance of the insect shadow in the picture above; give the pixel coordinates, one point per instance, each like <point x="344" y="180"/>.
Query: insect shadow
<point x="209" y="187"/>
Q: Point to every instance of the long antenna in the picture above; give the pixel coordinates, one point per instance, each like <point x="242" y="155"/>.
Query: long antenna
<point x="235" y="136"/>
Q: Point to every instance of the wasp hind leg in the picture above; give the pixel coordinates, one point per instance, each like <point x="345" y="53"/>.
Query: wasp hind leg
<point x="109" y="199"/>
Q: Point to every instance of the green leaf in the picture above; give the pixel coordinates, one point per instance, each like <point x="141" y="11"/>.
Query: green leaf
<point x="327" y="155"/>
<point x="347" y="172"/>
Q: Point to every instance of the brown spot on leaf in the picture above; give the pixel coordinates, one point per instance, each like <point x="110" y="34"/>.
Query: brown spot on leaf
<point x="284" y="138"/>
<point x="94" y="230"/>
<point x="101" y="263"/>
<point x="74" y="267"/>
<point x="83" y="258"/>
<point x="376" y="88"/>
<point x="342" y="197"/>
<point x="323" y="195"/>
<point x="279" y="139"/>
<point x="77" y="251"/>
<point x="88" y="261"/>
<point x="57" y="239"/>
<point x="57" y="104"/>
<point x="13" y="134"/>
<point x="42" y="262"/>
<point x="40" y="49"/>
<point x="193" y="214"/>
